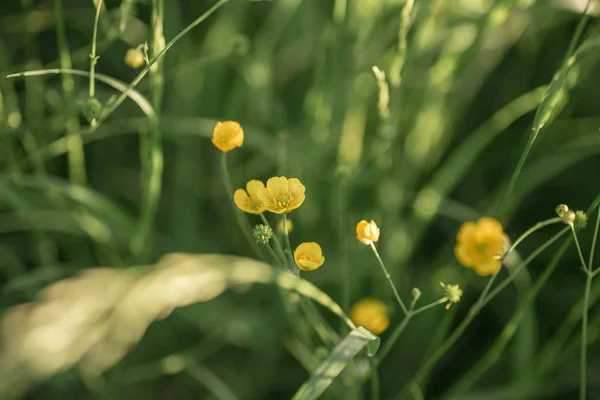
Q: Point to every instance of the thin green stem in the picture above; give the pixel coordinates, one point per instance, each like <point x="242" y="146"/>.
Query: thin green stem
<point x="529" y="231"/>
<point x="389" y="344"/>
<point x="584" y="323"/>
<point x="114" y="105"/>
<point x="272" y="253"/>
<point x="488" y="287"/>
<point x="343" y="246"/>
<point x="583" y="264"/>
<point x="428" y="306"/>
<point x="593" y="249"/>
<point x="389" y="279"/>
<point x="286" y="234"/>
<point x="275" y="239"/>
<point x="93" y="57"/>
<point x="242" y="222"/>
<point x="374" y="380"/>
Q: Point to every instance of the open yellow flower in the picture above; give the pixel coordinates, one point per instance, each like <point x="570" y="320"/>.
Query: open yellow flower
<point x="372" y="314"/>
<point x="228" y="135"/>
<point x="282" y="194"/>
<point x="309" y="256"/>
<point x="247" y="201"/>
<point x="134" y="58"/>
<point x="367" y="232"/>
<point x="480" y="245"/>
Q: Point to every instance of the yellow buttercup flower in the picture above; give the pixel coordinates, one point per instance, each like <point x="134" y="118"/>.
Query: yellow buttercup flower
<point x="372" y="314"/>
<point x="367" y="232"/>
<point x="480" y="245"/>
<point x="282" y="194"/>
<point x="134" y="58"/>
<point x="228" y="135"/>
<point x="309" y="256"/>
<point x="247" y="201"/>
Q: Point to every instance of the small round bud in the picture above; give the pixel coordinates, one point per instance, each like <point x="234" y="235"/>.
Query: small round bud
<point x="562" y="209"/>
<point x="416" y="293"/>
<point x="567" y="215"/>
<point x="262" y="234"/>
<point x="580" y="219"/>
<point x="91" y="109"/>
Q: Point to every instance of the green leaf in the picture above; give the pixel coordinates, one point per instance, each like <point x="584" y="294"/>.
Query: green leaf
<point x="341" y="355"/>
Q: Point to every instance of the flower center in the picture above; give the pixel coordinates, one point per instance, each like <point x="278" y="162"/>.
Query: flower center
<point x="256" y="204"/>
<point x="283" y="200"/>
<point x="481" y="247"/>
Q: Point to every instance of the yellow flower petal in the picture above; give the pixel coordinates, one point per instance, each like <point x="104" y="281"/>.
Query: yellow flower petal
<point x="277" y="184"/>
<point x="489" y="268"/>
<point x="254" y="186"/>
<point x="367" y="232"/>
<point x="295" y="187"/>
<point x="228" y="135"/>
<point x="465" y="231"/>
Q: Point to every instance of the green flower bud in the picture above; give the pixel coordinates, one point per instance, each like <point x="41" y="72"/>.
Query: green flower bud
<point x="416" y="293"/>
<point x="262" y="234"/>
<point x="91" y="109"/>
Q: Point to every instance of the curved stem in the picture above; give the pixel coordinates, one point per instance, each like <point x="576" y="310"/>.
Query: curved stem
<point x="583" y="264"/>
<point x="389" y="279"/>
<point x="529" y="231"/>
<point x="275" y="239"/>
<point x="428" y="306"/>
<point x="293" y="265"/>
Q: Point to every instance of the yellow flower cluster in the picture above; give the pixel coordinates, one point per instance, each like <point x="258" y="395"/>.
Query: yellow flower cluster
<point x="480" y="245"/>
<point x="372" y="314"/>
<point x="280" y="195"/>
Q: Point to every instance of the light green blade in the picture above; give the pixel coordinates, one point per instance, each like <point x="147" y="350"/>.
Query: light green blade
<point x="341" y="355"/>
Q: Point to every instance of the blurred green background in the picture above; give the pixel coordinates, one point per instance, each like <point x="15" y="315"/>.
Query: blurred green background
<point x="298" y="76"/>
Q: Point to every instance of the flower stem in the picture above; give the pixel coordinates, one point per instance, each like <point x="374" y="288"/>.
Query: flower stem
<point x="93" y="57"/>
<point x="584" y="321"/>
<point x="583" y="264"/>
<point x="275" y="239"/>
<point x="374" y="380"/>
<point x="529" y="231"/>
<point x="242" y="222"/>
<point x="389" y="279"/>
<point x="293" y="265"/>
<point x="428" y="306"/>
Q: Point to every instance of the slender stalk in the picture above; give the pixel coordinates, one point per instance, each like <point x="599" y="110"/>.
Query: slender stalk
<point x="595" y="238"/>
<point x="529" y="231"/>
<point x="286" y="233"/>
<point x="487" y="288"/>
<point x="275" y="239"/>
<point x="343" y="246"/>
<point x="374" y="380"/>
<point x="389" y="279"/>
<point x="428" y="306"/>
<point x="583" y="264"/>
<point x="583" y="351"/>
<point x="93" y="56"/>
<point x="272" y="253"/>
<point x="242" y="222"/>
<point x="389" y="344"/>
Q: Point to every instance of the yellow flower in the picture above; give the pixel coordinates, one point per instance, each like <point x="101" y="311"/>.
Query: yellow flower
<point x="309" y="256"/>
<point x="367" y="232"/>
<point x="480" y="245"/>
<point x="290" y="226"/>
<point x="228" y="135"/>
<point x="134" y="58"/>
<point x="247" y="201"/>
<point x="453" y="293"/>
<point x="370" y="313"/>
<point x="282" y="194"/>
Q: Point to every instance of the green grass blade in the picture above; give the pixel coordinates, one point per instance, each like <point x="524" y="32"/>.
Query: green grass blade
<point x="341" y="355"/>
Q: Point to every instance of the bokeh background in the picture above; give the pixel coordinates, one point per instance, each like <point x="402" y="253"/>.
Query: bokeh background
<point x="298" y="76"/>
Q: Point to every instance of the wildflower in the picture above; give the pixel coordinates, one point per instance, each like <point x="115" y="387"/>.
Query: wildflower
<point x="453" y="293"/>
<point x="228" y="135"/>
<point x="576" y="218"/>
<point x="280" y="227"/>
<point x="134" y="58"/>
<point x="262" y="234"/>
<point x="367" y="232"/>
<point x="247" y="200"/>
<point x="309" y="256"/>
<point x="480" y="245"/>
<point x="370" y="313"/>
<point x="282" y="194"/>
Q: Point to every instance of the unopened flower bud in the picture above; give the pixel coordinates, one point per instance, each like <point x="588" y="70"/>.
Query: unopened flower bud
<point x="566" y="214"/>
<point x="416" y="293"/>
<point x="580" y="219"/>
<point x="262" y="234"/>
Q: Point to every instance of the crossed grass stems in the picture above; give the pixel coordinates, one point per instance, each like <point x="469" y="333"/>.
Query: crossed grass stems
<point x="486" y="296"/>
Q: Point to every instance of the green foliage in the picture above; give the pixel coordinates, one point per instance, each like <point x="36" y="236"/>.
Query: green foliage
<point x="420" y="115"/>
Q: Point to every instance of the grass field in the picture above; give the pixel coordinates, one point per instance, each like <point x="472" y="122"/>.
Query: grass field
<point x="128" y="271"/>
